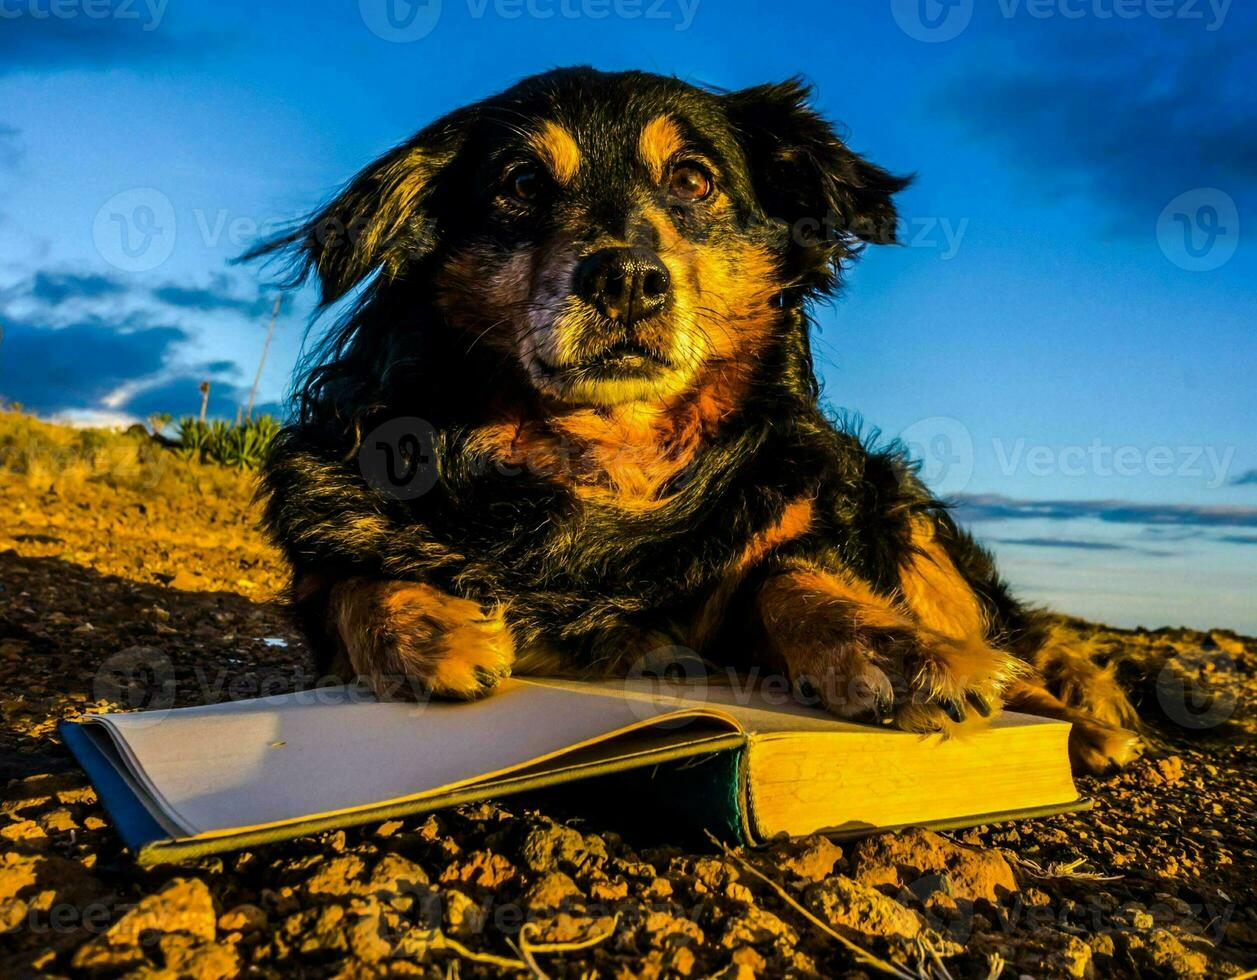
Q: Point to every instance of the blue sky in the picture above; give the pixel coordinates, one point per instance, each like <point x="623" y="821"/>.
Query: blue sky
<point x="1049" y="334"/>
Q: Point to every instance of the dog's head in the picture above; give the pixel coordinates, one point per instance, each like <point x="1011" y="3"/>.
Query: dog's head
<point x="616" y="237"/>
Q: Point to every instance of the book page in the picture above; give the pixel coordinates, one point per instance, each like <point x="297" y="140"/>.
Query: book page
<point x="250" y="763"/>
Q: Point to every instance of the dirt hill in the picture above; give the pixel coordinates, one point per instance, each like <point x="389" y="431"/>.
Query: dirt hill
<point x="126" y="570"/>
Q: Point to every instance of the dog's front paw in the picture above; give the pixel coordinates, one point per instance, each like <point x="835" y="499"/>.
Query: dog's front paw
<point x="1097" y="748"/>
<point x="921" y="680"/>
<point x="409" y="641"/>
<point x="941" y="680"/>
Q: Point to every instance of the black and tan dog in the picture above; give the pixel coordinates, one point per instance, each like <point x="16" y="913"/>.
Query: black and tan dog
<point x="593" y="289"/>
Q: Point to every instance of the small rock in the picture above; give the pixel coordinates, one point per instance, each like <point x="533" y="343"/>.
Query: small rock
<point x="396" y="876"/>
<point x="747" y="956"/>
<point x="183" y="905"/>
<point x="562" y="848"/>
<point x="811" y="858"/>
<point x="756" y="925"/>
<point x="59" y="820"/>
<point x="551" y="891"/>
<point x="1170" y="769"/>
<point x="23" y="830"/>
<point x="662" y="926"/>
<point x="658" y="889"/>
<point x="242" y="918"/>
<point x="609" y="891"/>
<point x="483" y="869"/>
<point x="567" y="928"/>
<point x="335" y="877"/>
<point x="843" y="902"/>
<point x="1159" y="952"/>
<point x="367" y="933"/>
<point x="682" y="961"/>
<point x="900" y="859"/>
<point x="186" y="957"/>
<point x="461" y="915"/>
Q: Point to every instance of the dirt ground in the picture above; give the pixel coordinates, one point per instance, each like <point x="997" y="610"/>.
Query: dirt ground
<point x="121" y="587"/>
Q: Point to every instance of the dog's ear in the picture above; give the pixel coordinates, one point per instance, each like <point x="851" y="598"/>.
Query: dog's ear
<point x="830" y="198"/>
<point x="382" y="220"/>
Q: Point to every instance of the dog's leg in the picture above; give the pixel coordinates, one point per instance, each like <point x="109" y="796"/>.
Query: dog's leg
<point x="1069" y="670"/>
<point x="864" y="656"/>
<point x="409" y="640"/>
<point x="1074" y="688"/>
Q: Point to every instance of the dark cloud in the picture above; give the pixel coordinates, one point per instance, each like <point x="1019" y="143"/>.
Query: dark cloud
<point x="1239" y="538"/>
<point x="1065" y="543"/>
<point x="993" y="507"/>
<point x="1245" y="479"/>
<point x="55" y="288"/>
<point x="209" y="300"/>
<point x="75" y="366"/>
<point x="1129" y="117"/>
<point x="181" y="396"/>
<point x="1077" y="544"/>
<point x="80" y="345"/>
<point x="120" y="34"/>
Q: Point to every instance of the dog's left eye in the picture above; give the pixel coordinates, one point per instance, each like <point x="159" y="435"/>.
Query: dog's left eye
<point x="689" y="182"/>
<point x="524" y="183"/>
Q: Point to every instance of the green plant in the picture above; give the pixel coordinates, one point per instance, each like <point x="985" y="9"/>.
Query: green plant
<point x="244" y="446"/>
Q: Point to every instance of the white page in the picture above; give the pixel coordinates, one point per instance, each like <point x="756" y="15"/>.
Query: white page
<point x="249" y="763"/>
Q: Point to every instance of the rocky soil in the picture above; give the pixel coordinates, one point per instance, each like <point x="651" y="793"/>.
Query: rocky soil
<point x="128" y="588"/>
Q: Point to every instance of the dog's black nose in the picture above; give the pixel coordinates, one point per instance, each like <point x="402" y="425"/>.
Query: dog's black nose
<point x="625" y="284"/>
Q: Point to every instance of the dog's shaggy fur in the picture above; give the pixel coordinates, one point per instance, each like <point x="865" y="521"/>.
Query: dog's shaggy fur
<point x="593" y="292"/>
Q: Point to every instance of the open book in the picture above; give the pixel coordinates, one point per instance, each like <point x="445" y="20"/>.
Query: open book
<point x="192" y="781"/>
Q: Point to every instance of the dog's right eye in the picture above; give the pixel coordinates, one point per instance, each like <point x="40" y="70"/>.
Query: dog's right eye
<point x="524" y="183"/>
